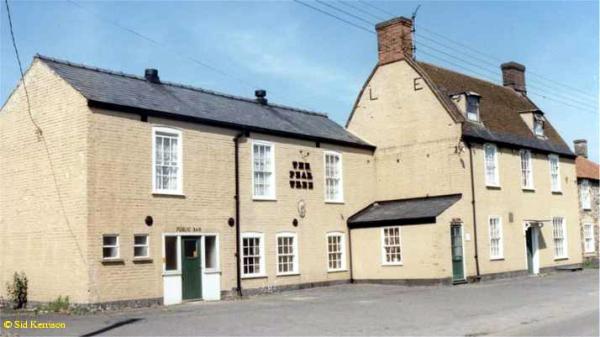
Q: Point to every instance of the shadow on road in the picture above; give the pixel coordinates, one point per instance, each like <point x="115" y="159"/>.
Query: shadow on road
<point x="112" y="326"/>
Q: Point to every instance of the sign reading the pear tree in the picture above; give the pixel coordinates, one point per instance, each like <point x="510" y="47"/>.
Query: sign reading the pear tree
<point x="301" y="177"/>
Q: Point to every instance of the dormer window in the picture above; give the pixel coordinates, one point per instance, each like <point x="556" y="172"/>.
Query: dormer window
<point x="538" y="125"/>
<point x="473" y="107"/>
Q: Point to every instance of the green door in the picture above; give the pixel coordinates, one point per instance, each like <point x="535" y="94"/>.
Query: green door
<point x="458" y="273"/>
<point x="191" y="276"/>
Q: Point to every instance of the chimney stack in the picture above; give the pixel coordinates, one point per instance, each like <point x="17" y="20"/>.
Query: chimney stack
<point x="394" y="40"/>
<point x="580" y="146"/>
<point x="513" y="76"/>
<point x="151" y="75"/>
<point x="261" y="96"/>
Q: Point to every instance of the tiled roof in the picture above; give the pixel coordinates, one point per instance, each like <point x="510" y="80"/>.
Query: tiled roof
<point x="587" y="169"/>
<point x="499" y="110"/>
<point x="134" y="94"/>
<point x="403" y="211"/>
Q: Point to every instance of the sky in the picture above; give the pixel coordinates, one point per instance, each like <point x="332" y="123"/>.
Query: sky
<point x="308" y="59"/>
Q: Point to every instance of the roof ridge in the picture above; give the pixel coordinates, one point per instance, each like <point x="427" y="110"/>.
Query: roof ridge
<point x="480" y="80"/>
<point x="178" y="85"/>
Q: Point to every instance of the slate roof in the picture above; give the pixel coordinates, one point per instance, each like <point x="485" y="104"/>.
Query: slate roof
<point x="587" y="169"/>
<point x="499" y="110"/>
<point x="403" y="211"/>
<point x="130" y="93"/>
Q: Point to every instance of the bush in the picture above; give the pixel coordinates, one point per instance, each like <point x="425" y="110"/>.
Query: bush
<point x="61" y="304"/>
<point x="17" y="291"/>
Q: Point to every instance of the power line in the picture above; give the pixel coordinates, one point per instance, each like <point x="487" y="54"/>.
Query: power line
<point x="376" y="8"/>
<point x="334" y="16"/>
<point x="343" y="11"/>
<point x="349" y="4"/>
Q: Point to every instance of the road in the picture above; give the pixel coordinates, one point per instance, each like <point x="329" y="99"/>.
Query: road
<point x="564" y="303"/>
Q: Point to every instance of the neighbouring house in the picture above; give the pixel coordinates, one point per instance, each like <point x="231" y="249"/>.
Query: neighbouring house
<point x="491" y="184"/>
<point x="588" y="178"/>
<point x="131" y="190"/>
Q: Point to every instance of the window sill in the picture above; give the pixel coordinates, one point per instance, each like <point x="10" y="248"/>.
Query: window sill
<point x="561" y="258"/>
<point x="590" y="253"/>
<point x="288" y="274"/>
<point x="212" y="271"/>
<point x="337" y="270"/>
<point x="335" y="202"/>
<point x="493" y="187"/>
<point x="171" y="273"/>
<point x="557" y="192"/>
<point x="264" y="198"/>
<point x="392" y="264"/>
<point x="528" y="189"/>
<point x="142" y="259"/>
<point x="246" y="277"/>
<point x="168" y="194"/>
<point x="497" y="259"/>
<point x="113" y="261"/>
<point x="586" y="209"/>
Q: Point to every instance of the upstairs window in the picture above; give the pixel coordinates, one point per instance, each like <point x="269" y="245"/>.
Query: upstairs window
<point x="538" y="125"/>
<point x="263" y="167"/>
<point x="473" y="108"/>
<point x="333" y="177"/>
<point x="491" y="165"/>
<point x="526" y="170"/>
<point x="554" y="173"/>
<point x="167" y="166"/>
<point x="559" y="232"/>
<point x="586" y="195"/>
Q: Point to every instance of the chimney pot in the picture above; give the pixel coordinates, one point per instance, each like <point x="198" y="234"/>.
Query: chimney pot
<point x="513" y="76"/>
<point x="261" y="96"/>
<point x="151" y="75"/>
<point x="581" y="148"/>
<point x="394" y="39"/>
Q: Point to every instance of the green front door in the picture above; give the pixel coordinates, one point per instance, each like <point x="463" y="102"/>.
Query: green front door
<point x="458" y="273"/>
<point x="191" y="276"/>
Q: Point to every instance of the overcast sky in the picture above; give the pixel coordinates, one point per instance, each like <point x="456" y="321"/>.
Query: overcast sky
<point x="307" y="59"/>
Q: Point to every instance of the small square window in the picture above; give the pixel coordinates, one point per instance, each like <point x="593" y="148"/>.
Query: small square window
<point x="110" y="246"/>
<point x="141" y="246"/>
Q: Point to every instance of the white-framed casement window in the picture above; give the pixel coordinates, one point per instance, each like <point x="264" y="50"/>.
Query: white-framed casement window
<point x="496" y="244"/>
<point x="334" y="189"/>
<point x="491" y="165"/>
<point x="554" y="173"/>
<point x="336" y="252"/>
<point x="141" y="246"/>
<point x="391" y="250"/>
<point x="526" y="170"/>
<point x="110" y="246"/>
<point x="473" y="108"/>
<point x="538" y="125"/>
<point x="287" y="254"/>
<point x="586" y="194"/>
<point x="263" y="170"/>
<point x="589" y="242"/>
<point x="559" y="233"/>
<point x="253" y="255"/>
<point x="167" y="163"/>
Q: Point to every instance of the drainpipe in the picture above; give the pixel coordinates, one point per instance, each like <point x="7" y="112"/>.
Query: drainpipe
<point x="350" y="254"/>
<point x="237" y="212"/>
<point x="478" y="277"/>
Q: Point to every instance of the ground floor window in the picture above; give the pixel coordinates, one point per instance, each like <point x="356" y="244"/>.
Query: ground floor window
<point x="287" y="253"/>
<point x="141" y="245"/>
<point x="252" y="254"/>
<point x="110" y="246"/>
<point x="336" y="252"/>
<point x="170" y="253"/>
<point x="589" y="243"/>
<point x="391" y="245"/>
<point x="559" y="232"/>
<point x="496" y="249"/>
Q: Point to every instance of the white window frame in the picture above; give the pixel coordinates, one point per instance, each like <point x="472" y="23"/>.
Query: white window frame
<point x="589" y="240"/>
<point x="586" y="194"/>
<point x="499" y="238"/>
<point x="526" y="172"/>
<point x="272" y="195"/>
<point x="340" y="197"/>
<point x="342" y="245"/>
<point x="261" y="254"/>
<point x="476" y="104"/>
<point x="178" y="134"/>
<point x="147" y="245"/>
<point x="295" y="266"/>
<point x="555" y="186"/>
<point x="384" y="260"/>
<point x="564" y="238"/>
<point x="496" y="182"/>
<point x="538" y="120"/>
<point x="118" y="256"/>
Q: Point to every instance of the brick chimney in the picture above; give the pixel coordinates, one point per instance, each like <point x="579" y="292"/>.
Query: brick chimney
<point x="580" y="146"/>
<point x="513" y="76"/>
<point x="394" y="39"/>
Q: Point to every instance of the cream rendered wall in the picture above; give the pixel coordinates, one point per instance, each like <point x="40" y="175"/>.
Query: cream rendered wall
<point x="42" y="236"/>
<point x="540" y="204"/>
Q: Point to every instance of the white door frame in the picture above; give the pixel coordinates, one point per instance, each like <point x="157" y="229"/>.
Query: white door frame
<point x="535" y="242"/>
